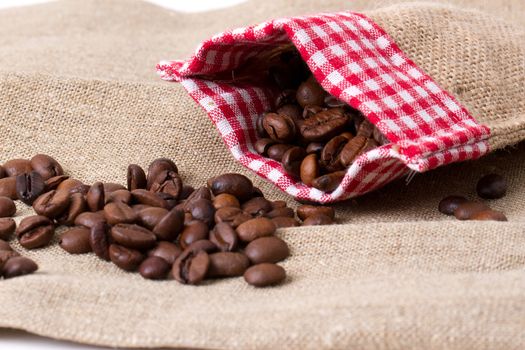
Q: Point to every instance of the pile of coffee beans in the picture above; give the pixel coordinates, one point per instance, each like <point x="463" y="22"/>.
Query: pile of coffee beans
<point x="314" y="135"/>
<point x="156" y="225"/>
<point x="491" y="186"/>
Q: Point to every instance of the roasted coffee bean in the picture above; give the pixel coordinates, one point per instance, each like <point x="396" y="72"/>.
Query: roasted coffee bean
<point x="6" y="254"/>
<point x="53" y="182"/>
<point x="232" y="216"/>
<point x="73" y="186"/>
<point x="122" y="196"/>
<point x="263" y="275"/>
<point x="200" y="193"/>
<point x="280" y="212"/>
<point x="314" y="147"/>
<point x="90" y="219"/>
<point x="7" y="227"/>
<point x="330" y="155"/>
<point x="318" y="219"/>
<point x="35" y="231"/>
<point x="151" y="216"/>
<point x="167" y="182"/>
<point x="52" y="204"/>
<point x="46" y="166"/>
<point x="133" y="236"/>
<point x="204" y="245"/>
<point x="16" y="167"/>
<point x="125" y="258"/>
<point x="224" y="237"/>
<point x="333" y="102"/>
<point x="136" y="177"/>
<point x="310" y="111"/>
<point x="366" y="129"/>
<point x="379" y="137"/>
<point x="449" y="204"/>
<point x="227" y="264"/>
<point x="492" y="186"/>
<point x="76" y="240"/>
<point x="255" y="228"/>
<point x="2" y="172"/>
<point x="203" y="210"/>
<point x="18" y="266"/>
<point x="286" y="96"/>
<point x="193" y="231"/>
<point x="370" y="145"/>
<point x="235" y="184"/>
<point x="110" y="187"/>
<point x="352" y="150"/>
<point x="329" y="182"/>
<point x="281" y="222"/>
<point x="292" y="159"/>
<point x="154" y="268"/>
<point x="324" y="125"/>
<point x="279" y="127"/>
<point x="309" y="170"/>
<point x="119" y="213"/>
<point x="8" y="187"/>
<point x="224" y="200"/>
<point x="466" y="210"/>
<point x="259" y="127"/>
<point x="257" y="206"/>
<point x="191" y="267"/>
<point x="310" y="93"/>
<point x="278" y="204"/>
<point x="170" y="226"/>
<point x="267" y="250"/>
<point x="256" y="192"/>
<point x="307" y="210"/>
<point x="99" y="240"/>
<point x="277" y="151"/>
<point x="293" y="111"/>
<point x="489" y="215"/>
<point x="29" y="186"/>
<point x="156" y="167"/>
<point x="167" y="251"/>
<point x="4" y="246"/>
<point x="7" y="207"/>
<point x="262" y="145"/>
<point x="187" y="190"/>
<point x="148" y="198"/>
<point x="95" y="197"/>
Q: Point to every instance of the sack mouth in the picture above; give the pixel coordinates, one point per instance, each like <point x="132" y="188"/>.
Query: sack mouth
<point x="354" y="60"/>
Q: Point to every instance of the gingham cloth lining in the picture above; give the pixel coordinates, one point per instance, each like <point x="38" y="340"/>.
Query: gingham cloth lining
<point x="354" y="60"/>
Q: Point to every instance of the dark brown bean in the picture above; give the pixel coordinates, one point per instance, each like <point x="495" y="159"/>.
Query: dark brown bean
<point x="156" y="167"/>
<point x="148" y="198"/>
<point x="332" y="102"/>
<point x="125" y="258"/>
<point x="95" y="197"/>
<point x="76" y="240"/>
<point x="7" y="228"/>
<point x="122" y="196"/>
<point x="224" y="237"/>
<point x="262" y="145"/>
<point x="167" y="251"/>
<point x="263" y="275"/>
<point x="46" y="166"/>
<point x="136" y="177"/>
<point x="18" y="266"/>
<point x="232" y="216"/>
<point x="193" y="231"/>
<point x="306" y="210"/>
<point x="187" y="190"/>
<point x="324" y="125"/>
<point x="16" y="167"/>
<point x="99" y="240"/>
<point x="366" y="129"/>
<point x="119" y="213"/>
<point x="309" y="170"/>
<point x="291" y="110"/>
<point x="203" y="210"/>
<point x="329" y="182"/>
<point x="317" y="220"/>
<point x="277" y="151"/>
<point x="167" y="182"/>
<point x="54" y="182"/>
<point x="7" y="207"/>
<point x="191" y="267"/>
<point x="492" y="186"/>
<point x="4" y="246"/>
<point x="292" y="159"/>
<point x="255" y="228"/>
<point x="170" y="226"/>
<point x="310" y="111"/>
<point x="267" y="250"/>
<point x="29" y="186"/>
<point x="489" y="215"/>
<point x="52" y="204"/>
<point x="310" y="93"/>
<point x="449" y="204"/>
<point x="314" y="147"/>
<point x="279" y="127"/>
<point x="280" y="212"/>
<point x="330" y="155"/>
<point x="8" y="187"/>
<point x="466" y="210"/>
<point x="227" y="264"/>
<point x="154" y="268"/>
<point x="281" y="222"/>
<point x="257" y="206"/>
<point x="225" y="200"/>
<point x="73" y="186"/>
<point x="110" y="187"/>
<point x="259" y="127"/>
<point x="5" y="255"/>
<point x="35" y="231"/>
<point x="352" y="150"/>
<point x="90" y="219"/>
<point x="151" y="216"/>
<point x="379" y="137"/>
<point x="133" y="236"/>
<point x="2" y="172"/>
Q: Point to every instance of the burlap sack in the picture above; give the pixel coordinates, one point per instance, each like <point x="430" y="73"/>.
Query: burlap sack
<point x="77" y="82"/>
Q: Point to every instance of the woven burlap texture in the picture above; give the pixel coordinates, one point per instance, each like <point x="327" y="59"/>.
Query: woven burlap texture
<point x="78" y="83"/>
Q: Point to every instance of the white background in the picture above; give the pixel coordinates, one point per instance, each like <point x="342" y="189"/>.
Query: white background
<point x="18" y="340"/>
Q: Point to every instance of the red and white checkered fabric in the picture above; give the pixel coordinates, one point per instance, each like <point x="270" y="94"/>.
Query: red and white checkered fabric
<point x="354" y="60"/>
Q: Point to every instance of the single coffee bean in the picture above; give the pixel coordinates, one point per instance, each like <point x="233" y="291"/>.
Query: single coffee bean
<point x="203" y="210"/>
<point x="291" y="110"/>
<point x="227" y="264"/>
<point x="204" y="244"/>
<point x="370" y="145"/>
<point x="486" y="215"/>
<point x="352" y="150"/>
<point x="53" y="182"/>
<point x="309" y="170"/>
<point x="263" y="275"/>
<point x="35" y="231"/>
<point x="306" y="210"/>
<point x="225" y="200"/>
<point x="379" y="137"/>
<point x="46" y="166"/>
<point x="119" y="213"/>
<point x="73" y="186"/>
<point x="18" y="266"/>
<point x="255" y="228"/>
<point x="281" y="222"/>
<point x="76" y="240"/>
<point x="279" y="127"/>
<point x="148" y="198"/>
<point x="310" y="111"/>
<point x="187" y="190"/>
<point x="324" y="125"/>
<point x="122" y="196"/>
<point x="90" y="219"/>
<point x="95" y="197"/>
<point x="29" y="186"/>
<point x="4" y="246"/>
<point x="292" y="159"/>
<point x="333" y="102"/>
<point x="231" y="215"/>
<point x="314" y="147"/>
<point x="329" y="182"/>
<point x="257" y="206"/>
<point x="156" y="167"/>
<point x="259" y="127"/>
<point x="262" y="145"/>
<point x="235" y="184"/>
<point x="492" y="186"/>
<point x="366" y="129"/>
<point x="280" y="212"/>
<point x="267" y="250"/>
<point x="150" y="216"/>
<point x="277" y="151"/>
<point x="224" y="237"/>
<point x="330" y="155"/>
<point x="449" y="204"/>
<point x="318" y="219"/>
<point x="136" y="177"/>
<point x="125" y="258"/>
<point x="16" y="167"/>
<point x="191" y="267"/>
<point x="466" y="210"/>
<point x="8" y="187"/>
<point x="52" y="204"/>
<point x="99" y="240"/>
<point x="167" y="251"/>
<point x="200" y="193"/>
<point x="5" y="255"/>
<point x="133" y="236"/>
<point x="170" y="226"/>
<point x="167" y="182"/>
<point x="310" y="93"/>
<point x="154" y="268"/>
<point x="7" y="207"/>
<point x="193" y="231"/>
<point x="7" y="228"/>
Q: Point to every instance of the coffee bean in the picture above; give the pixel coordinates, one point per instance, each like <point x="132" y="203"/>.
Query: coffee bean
<point x="53" y="182"/>
<point x="167" y="251"/>
<point x="148" y="198"/>
<point x="267" y="250"/>
<point x="329" y="182"/>
<point x="95" y="197"/>
<point x="492" y="186"/>
<point x="352" y="150"/>
<point x="333" y="102"/>
<point x="133" y="236"/>
<point x="235" y="184"/>
<point x="232" y="216"/>
<point x="170" y="226"/>
<point x="255" y="228"/>
<point x="379" y="137"/>
<point x="76" y="240"/>
<point x="7" y="227"/>
<point x="7" y="207"/>
<point x="2" y="172"/>
<point x="324" y="125"/>
<point x="286" y="96"/>
<point x="292" y="159"/>
<point x="29" y="186"/>
<point x="281" y="222"/>
<point x="310" y="93"/>
<point x="263" y="275"/>
<point x="190" y="267"/>
<point x="8" y="187"/>
<point x="193" y="231"/>
<point x="90" y="219"/>
<point x="277" y="151"/>
<point x="4" y="246"/>
<point x="466" y="210"/>
<point x="227" y="264"/>
<point x="18" y="266"/>
<point x="154" y="268"/>
<point x="99" y="240"/>
<point x="119" y="213"/>
<point x="280" y="212"/>
<point x="330" y="155"/>
<point x="110" y="187"/>
<point x="449" y="204"/>
<point x="309" y="170"/>
<point x="151" y="216"/>
<point x="225" y="200"/>
<point x="370" y="145"/>
<point x="122" y="196"/>
<point x="278" y="204"/>
<point x="315" y="147"/>
<point x="136" y="177"/>
<point x="5" y="255"/>
<point x="257" y="206"/>
<point x="204" y="245"/>
<point x="279" y="127"/>
<point x="486" y="215"/>
<point x="46" y="166"/>
<point x="73" y="186"/>
<point x="259" y="127"/>
<point x="203" y="210"/>
<point x="187" y="190"/>
<point x="310" y="111"/>
<point x="291" y="110"/>
<point x="224" y="237"/>
<point x="365" y="129"/>
<point x="125" y="258"/>
<point x="16" y="167"/>
<point x="318" y="219"/>
<point x="35" y="231"/>
<point x="307" y="210"/>
<point x="167" y="182"/>
<point x="156" y="167"/>
<point x="52" y="204"/>
<point x="262" y="145"/>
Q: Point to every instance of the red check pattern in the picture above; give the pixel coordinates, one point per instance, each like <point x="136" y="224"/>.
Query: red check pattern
<point x="354" y="60"/>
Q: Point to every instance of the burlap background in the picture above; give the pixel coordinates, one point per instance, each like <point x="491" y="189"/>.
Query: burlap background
<point x="77" y="82"/>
